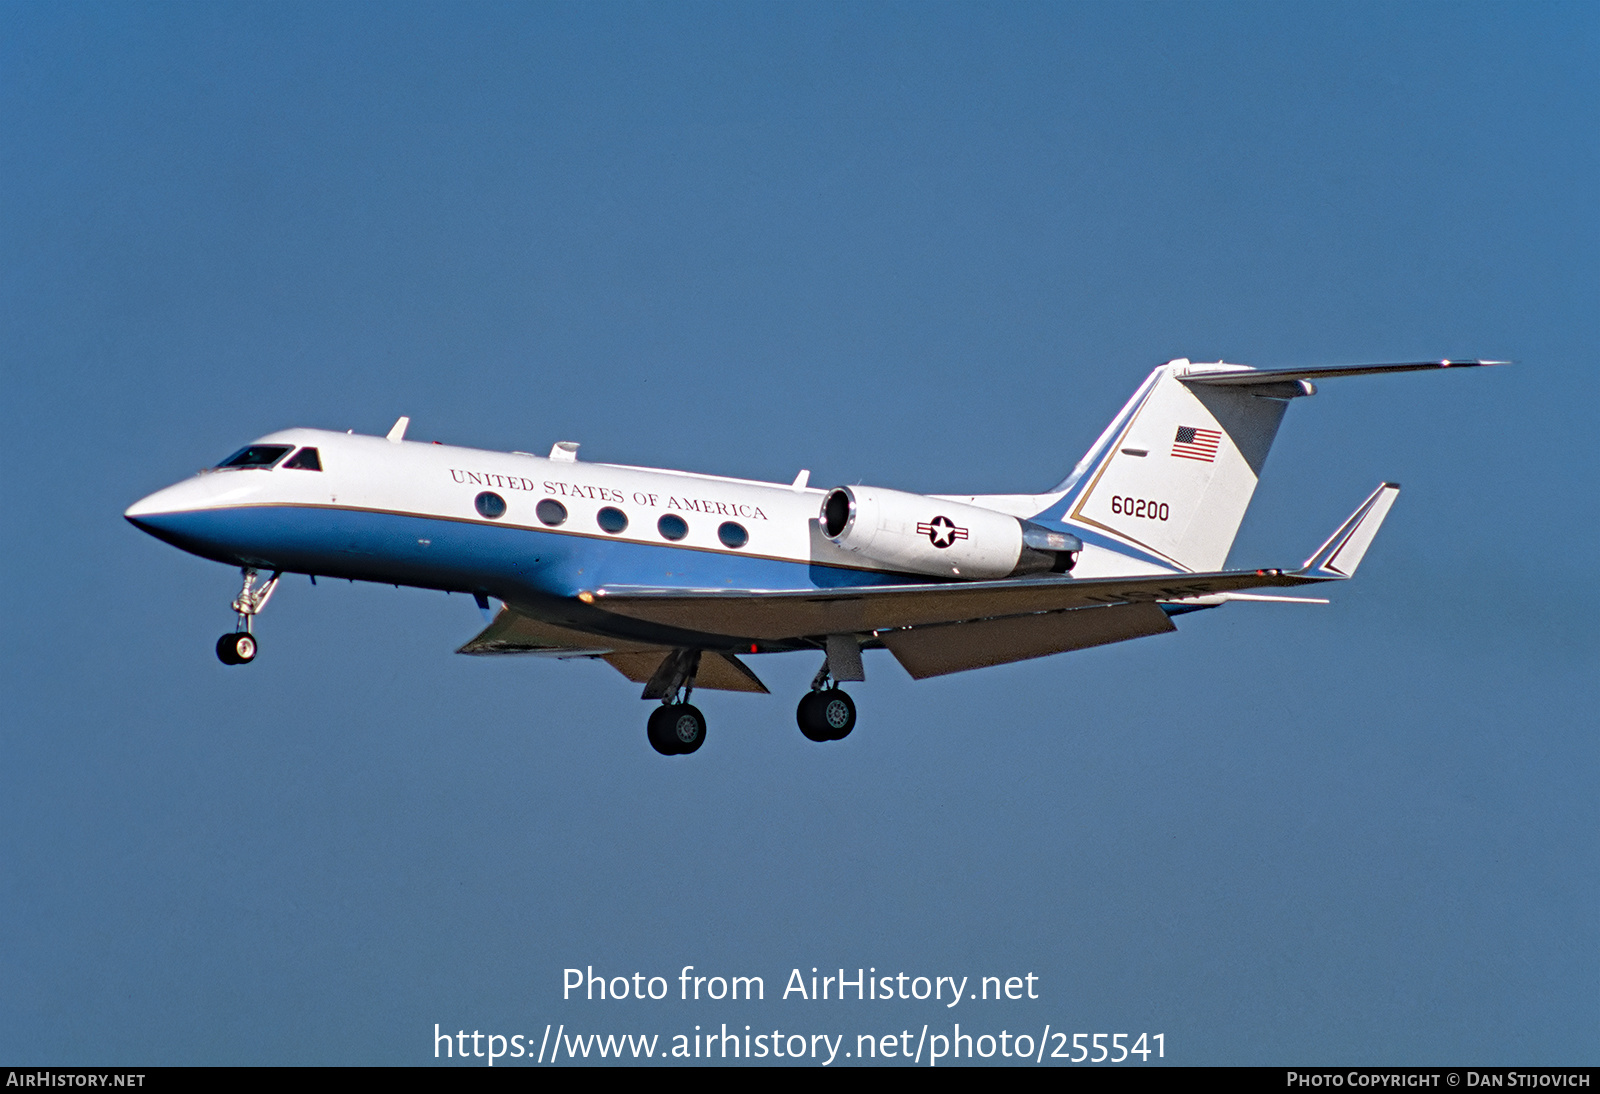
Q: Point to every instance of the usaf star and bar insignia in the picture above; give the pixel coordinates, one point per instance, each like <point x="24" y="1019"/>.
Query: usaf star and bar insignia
<point x="941" y="531"/>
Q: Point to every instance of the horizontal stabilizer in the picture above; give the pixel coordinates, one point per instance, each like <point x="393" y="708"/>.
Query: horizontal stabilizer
<point x="1344" y="550"/>
<point x="1249" y="377"/>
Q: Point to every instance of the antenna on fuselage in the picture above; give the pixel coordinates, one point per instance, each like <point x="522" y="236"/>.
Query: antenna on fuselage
<point x="398" y="433"/>
<point x="566" y="451"/>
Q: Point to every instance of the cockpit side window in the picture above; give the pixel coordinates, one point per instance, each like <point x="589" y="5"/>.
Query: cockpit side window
<point x="304" y="460"/>
<point x="257" y="455"/>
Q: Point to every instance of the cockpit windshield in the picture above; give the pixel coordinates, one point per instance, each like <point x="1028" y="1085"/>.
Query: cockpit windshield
<point x="304" y="460"/>
<point x="257" y="455"/>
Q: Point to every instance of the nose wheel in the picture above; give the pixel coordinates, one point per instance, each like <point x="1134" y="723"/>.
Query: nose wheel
<point x="239" y="647"/>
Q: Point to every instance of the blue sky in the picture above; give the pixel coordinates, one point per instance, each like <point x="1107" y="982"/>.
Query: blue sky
<point x="932" y="247"/>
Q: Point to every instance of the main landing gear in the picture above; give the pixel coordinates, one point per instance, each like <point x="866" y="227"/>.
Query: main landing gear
<point x="675" y="728"/>
<point x="239" y="648"/>
<point x="825" y="713"/>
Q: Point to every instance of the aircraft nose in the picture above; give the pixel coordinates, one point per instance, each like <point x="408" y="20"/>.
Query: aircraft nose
<point x="145" y="506"/>
<point x="185" y="515"/>
<point x="178" y="498"/>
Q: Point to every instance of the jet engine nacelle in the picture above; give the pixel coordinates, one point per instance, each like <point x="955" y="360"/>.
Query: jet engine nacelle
<point x="923" y="535"/>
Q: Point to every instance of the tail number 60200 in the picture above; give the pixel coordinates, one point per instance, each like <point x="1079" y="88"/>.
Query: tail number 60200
<point x="1139" y="507"/>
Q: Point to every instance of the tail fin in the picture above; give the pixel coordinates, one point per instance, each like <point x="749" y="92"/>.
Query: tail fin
<point x="1175" y="472"/>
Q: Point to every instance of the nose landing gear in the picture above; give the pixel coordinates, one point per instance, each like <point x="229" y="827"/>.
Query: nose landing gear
<point x="239" y="647"/>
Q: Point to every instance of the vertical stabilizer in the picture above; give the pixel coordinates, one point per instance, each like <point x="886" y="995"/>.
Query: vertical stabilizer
<point x="1175" y="481"/>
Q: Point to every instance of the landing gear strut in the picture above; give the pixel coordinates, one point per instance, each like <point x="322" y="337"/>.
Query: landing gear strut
<point x="825" y="713"/>
<point x="239" y="648"/>
<point x="676" y="728"/>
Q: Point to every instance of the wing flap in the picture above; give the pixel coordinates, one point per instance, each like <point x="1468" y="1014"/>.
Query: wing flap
<point x="725" y="672"/>
<point x="955" y="647"/>
<point x="717" y="672"/>
<point x="513" y="632"/>
<point x="638" y="667"/>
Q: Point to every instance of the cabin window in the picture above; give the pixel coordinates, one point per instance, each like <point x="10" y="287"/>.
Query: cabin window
<point x="672" y="527"/>
<point x="612" y="520"/>
<point x="304" y="460"/>
<point x="257" y="455"/>
<point x="490" y="504"/>
<point x="732" y="535"/>
<point x="551" y="511"/>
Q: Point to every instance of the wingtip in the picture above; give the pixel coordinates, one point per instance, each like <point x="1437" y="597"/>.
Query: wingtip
<point x="1344" y="550"/>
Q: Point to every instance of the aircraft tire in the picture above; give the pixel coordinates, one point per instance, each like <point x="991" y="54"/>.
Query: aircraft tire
<point x="809" y="718"/>
<point x="688" y="727"/>
<point x="659" y="730"/>
<point x="826" y="715"/>
<point x="838" y="713"/>
<point x="238" y="648"/>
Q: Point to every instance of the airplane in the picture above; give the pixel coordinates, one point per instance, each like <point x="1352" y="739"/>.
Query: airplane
<point x="673" y="577"/>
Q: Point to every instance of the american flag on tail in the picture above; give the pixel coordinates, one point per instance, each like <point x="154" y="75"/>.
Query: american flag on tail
<point x="1197" y="444"/>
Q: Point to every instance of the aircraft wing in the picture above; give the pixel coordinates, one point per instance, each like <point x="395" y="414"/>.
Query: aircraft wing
<point x="512" y="632"/>
<point x="781" y="614"/>
<point x="931" y="629"/>
<point x="787" y="614"/>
